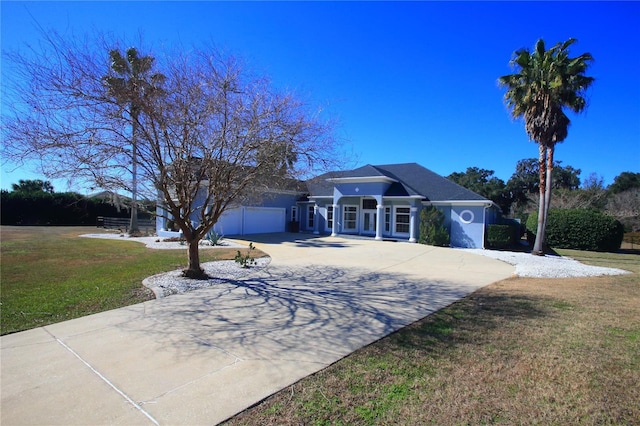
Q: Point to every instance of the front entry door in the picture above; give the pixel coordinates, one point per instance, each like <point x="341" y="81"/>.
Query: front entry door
<point x="369" y="221"/>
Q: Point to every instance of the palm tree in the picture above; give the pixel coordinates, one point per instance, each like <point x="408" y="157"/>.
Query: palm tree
<point x="131" y="87"/>
<point x="545" y="83"/>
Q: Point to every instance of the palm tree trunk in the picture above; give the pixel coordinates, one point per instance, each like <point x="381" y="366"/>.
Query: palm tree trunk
<point x="133" y="226"/>
<point x="547" y="197"/>
<point x="537" y="246"/>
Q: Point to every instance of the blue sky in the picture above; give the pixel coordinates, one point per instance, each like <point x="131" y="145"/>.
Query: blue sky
<point x="407" y="81"/>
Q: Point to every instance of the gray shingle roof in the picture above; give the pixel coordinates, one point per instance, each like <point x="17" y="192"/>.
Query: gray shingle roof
<point x="429" y="184"/>
<point x="413" y="180"/>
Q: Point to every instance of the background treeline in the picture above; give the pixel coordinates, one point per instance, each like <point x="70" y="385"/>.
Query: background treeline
<point x="518" y="197"/>
<point x="34" y="202"/>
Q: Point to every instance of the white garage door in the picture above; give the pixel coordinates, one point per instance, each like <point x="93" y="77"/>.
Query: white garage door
<point x="260" y="220"/>
<point x="230" y="223"/>
<point x="251" y="220"/>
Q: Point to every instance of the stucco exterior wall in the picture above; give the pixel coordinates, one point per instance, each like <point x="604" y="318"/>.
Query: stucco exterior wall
<point x="467" y="226"/>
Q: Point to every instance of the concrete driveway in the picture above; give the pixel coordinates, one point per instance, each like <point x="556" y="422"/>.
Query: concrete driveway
<point x="201" y="357"/>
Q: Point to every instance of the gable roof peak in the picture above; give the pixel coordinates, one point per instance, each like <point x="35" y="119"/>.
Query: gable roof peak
<point x="363" y="171"/>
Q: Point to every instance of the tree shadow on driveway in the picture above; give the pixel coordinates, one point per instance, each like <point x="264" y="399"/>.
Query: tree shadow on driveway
<point x="297" y="239"/>
<point x="314" y="314"/>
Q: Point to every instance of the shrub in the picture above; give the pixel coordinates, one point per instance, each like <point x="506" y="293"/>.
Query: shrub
<point x="500" y="236"/>
<point x="531" y="227"/>
<point x="214" y="238"/>
<point x="245" y="260"/>
<point x="432" y="229"/>
<point x="580" y="229"/>
<point x="516" y="225"/>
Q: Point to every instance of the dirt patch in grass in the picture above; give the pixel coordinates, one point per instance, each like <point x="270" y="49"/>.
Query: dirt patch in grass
<point x="521" y="351"/>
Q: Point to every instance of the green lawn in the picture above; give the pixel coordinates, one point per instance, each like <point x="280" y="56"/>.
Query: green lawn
<point x="49" y="274"/>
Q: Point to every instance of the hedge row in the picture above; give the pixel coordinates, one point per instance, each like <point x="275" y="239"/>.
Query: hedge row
<point x="579" y="229"/>
<point x="63" y="208"/>
<point x="501" y="236"/>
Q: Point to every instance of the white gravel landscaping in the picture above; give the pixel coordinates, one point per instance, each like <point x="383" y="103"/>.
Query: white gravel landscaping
<point x="547" y="266"/>
<point x="159" y="243"/>
<point x="173" y="282"/>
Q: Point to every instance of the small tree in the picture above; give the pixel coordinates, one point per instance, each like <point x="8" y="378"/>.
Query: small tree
<point x="432" y="229"/>
<point x="209" y="136"/>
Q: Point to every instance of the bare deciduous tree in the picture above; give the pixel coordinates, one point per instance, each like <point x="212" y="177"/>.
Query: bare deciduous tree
<point x="210" y="135"/>
<point x="625" y="206"/>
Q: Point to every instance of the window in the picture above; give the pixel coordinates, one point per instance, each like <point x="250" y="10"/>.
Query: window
<point x="350" y="218"/>
<point x="330" y="217"/>
<point x="294" y="213"/>
<point x="310" y="216"/>
<point x="387" y="219"/>
<point x="403" y="217"/>
<point x="369" y="204"/>
<point x="466" y="216"/>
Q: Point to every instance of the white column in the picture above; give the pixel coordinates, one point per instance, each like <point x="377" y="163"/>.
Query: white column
<point x="315" y="219"/>
<point x="413" y="224"/>
<point x="379" y="221"/>
<point x="334" y="228"/>
<point x="242" y="220"/>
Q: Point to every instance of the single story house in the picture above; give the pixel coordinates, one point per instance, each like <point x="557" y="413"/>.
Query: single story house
<point x="382" y="202"/>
